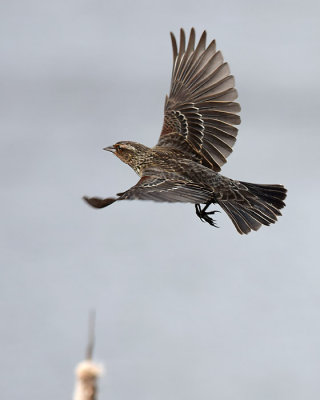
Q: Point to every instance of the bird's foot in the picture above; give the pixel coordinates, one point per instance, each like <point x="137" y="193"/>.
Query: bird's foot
<point x="204" y="215"/>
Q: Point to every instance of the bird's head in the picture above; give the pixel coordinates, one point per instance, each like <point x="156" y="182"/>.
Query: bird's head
<point x="131" y="153"/>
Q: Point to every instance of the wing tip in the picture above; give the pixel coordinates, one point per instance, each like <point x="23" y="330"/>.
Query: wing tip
<point x="97" y="202"/>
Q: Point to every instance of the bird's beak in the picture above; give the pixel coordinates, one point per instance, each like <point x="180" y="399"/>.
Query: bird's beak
<point x="110" y="148"/>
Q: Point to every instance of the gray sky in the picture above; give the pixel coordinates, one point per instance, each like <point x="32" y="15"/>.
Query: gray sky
<point x="183" y="310"/>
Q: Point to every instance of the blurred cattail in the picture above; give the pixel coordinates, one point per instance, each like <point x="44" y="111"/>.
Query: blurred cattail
<point x="87" y="372"/>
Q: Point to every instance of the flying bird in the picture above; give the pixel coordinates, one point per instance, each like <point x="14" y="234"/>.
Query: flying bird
<point x="197" y="136"/>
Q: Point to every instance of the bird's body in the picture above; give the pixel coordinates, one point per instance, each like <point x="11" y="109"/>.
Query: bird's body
<point x="197" y="135"/>
<point x="172" y="165"/>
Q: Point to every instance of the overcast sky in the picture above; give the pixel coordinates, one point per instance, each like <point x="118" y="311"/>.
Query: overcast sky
<point x="184" y="311"/>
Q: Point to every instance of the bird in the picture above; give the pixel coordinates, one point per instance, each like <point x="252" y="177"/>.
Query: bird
<point x="198" y="133"/>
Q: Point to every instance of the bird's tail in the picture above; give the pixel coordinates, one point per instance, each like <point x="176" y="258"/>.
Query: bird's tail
<point x="254" y="206"/>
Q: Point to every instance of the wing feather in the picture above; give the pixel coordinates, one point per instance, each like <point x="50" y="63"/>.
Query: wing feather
<point x="167" y="190"/>
<point x="200" y="112"/>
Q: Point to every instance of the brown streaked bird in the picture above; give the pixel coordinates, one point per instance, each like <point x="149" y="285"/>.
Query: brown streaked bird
<point x="197" y="136"/>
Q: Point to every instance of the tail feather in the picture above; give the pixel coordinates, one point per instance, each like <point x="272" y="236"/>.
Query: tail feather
<point x="274" y="194"/>
<point x="242" y="220"/>
<point x="258" y="205"/>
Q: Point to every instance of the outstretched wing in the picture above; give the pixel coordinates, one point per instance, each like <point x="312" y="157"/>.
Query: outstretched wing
<point x="200" y="112"/>
<point x="167" y="190"/>
<point x="158" y="189"/>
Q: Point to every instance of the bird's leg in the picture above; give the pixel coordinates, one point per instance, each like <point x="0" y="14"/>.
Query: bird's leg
<point x="204" y="216"/>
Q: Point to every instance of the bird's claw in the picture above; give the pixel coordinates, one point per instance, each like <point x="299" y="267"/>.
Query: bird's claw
<point x="204" y="215"/>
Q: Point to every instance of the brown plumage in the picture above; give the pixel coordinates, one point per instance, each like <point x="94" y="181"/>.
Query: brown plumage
<point x="197" y="136"/>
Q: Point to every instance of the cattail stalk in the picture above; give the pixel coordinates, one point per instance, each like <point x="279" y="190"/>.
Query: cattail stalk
<point x="87" y="372"/>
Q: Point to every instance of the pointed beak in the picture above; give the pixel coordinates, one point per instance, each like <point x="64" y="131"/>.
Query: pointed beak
<point x="110" y="148"/>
